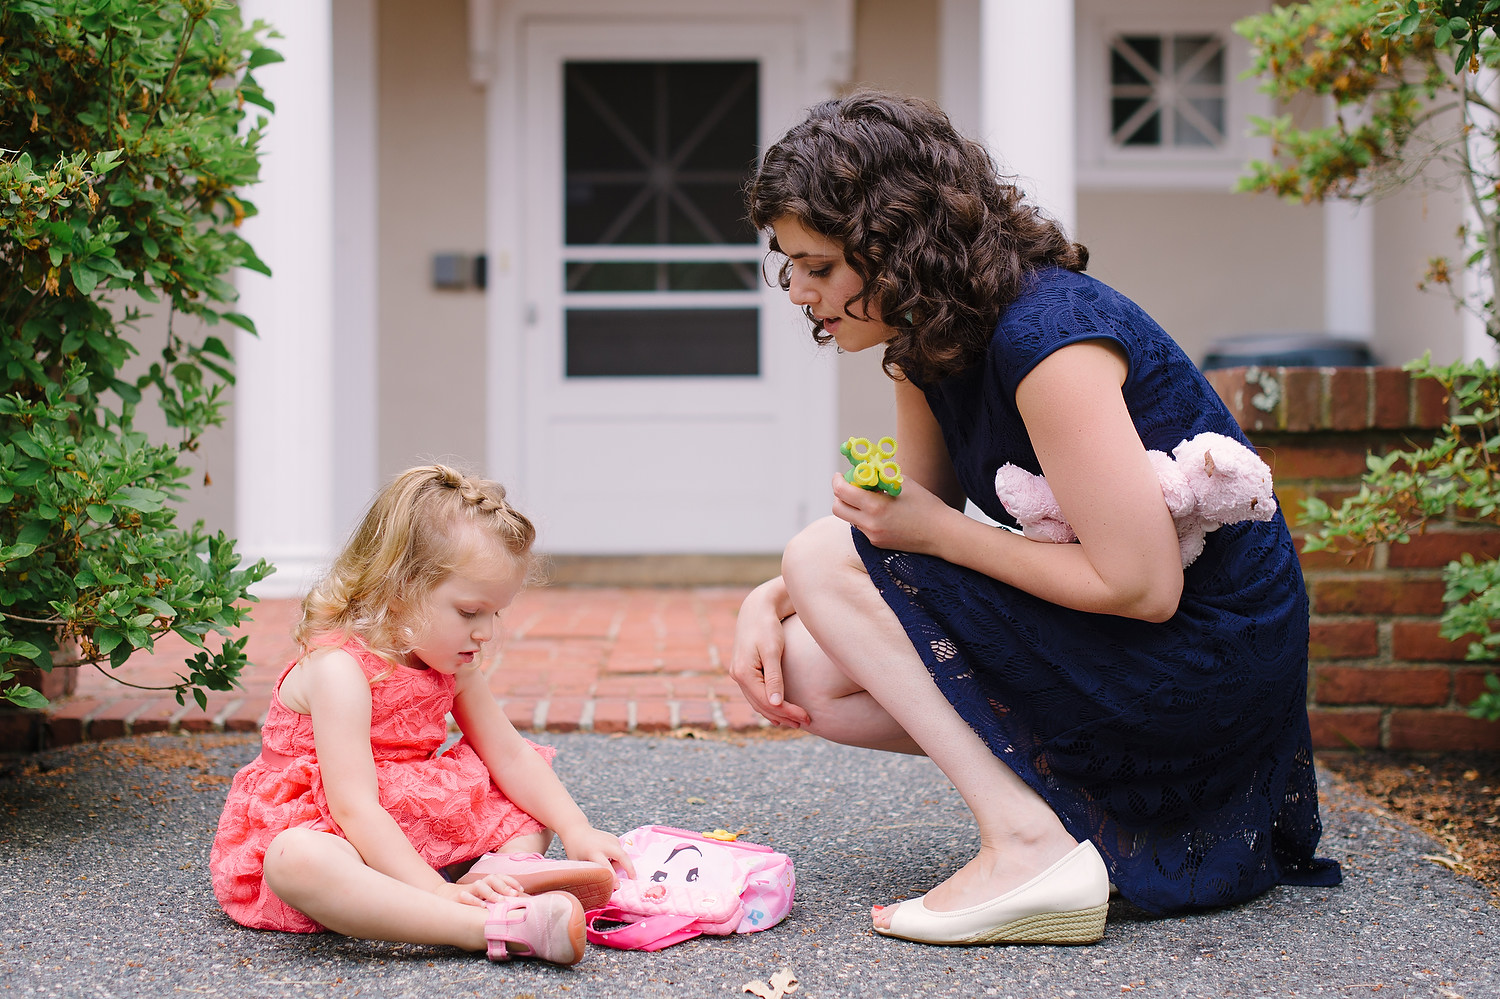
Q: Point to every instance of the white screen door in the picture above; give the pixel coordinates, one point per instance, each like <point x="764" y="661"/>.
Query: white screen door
<point x="673" y="402"/>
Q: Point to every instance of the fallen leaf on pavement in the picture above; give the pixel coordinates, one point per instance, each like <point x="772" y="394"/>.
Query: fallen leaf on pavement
<point x="783" y="983"/>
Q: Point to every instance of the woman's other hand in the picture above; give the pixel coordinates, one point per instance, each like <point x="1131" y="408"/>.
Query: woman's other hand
<point x="756" y="660"/>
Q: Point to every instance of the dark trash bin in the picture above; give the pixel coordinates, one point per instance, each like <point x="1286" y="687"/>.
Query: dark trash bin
<point x="1291" y="350"/>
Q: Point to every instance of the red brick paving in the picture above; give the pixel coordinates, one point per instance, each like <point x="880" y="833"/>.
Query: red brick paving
<point x="571" y="659"/>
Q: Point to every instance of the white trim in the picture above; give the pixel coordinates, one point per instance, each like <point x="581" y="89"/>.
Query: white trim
<point x="716" y="253"/>
<point x="1101" y="166"/>
<point x="663" y="299"/>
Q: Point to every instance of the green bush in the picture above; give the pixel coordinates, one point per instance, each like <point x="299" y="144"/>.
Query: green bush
<point x="1406" y="68"/>
<point x="123" y="146"/>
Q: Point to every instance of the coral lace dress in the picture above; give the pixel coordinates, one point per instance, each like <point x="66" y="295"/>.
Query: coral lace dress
<point x="1180" y="749"/>
<point x="446" y="804"/>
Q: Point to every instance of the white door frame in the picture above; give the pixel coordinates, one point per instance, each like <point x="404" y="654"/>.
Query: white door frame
<point x="499" y="31"/>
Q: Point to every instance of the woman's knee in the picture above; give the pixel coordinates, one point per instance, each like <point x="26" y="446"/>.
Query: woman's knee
<point x="818" y="552"/>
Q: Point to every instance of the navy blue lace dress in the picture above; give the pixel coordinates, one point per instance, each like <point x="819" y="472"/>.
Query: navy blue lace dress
<point x="1180" y="749"/>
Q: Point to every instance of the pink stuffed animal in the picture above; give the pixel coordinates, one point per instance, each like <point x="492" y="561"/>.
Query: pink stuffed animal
<point x="1214" y="480"/>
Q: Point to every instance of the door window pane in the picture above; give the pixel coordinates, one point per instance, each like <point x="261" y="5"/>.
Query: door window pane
<point x="658" y="152"/>
<point x="625" y="343"/>
<point x="656" y="157"/>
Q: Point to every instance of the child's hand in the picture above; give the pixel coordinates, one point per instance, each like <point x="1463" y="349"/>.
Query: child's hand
<point x="599" y="847"/>
<point x="489" y="888"/>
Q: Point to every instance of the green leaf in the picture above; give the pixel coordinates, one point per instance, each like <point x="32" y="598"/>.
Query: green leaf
<point x="26" y="697"/>
<point x="137" y="498"/>
<point x="23" y="649"/>
<point x="126" y="391"/>
<point x="84" y="278"/>
<point x="263" y="57"/>
<point x="248" y="325"/>
<point x="213" y="345"/>
<point x="33" y="534"/>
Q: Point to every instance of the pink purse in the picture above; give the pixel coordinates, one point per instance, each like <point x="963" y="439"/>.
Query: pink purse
<point x="688" y="885"/>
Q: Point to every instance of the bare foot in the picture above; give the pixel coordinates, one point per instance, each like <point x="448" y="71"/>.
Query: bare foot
<point x="989" y="875"/>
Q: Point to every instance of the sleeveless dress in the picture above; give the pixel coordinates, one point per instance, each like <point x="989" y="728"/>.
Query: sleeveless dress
<point x="1180" y="749"/>
<point x="446" y="804"/>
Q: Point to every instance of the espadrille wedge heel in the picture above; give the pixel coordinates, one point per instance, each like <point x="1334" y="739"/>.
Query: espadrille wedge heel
<point x="1065" y="904"/>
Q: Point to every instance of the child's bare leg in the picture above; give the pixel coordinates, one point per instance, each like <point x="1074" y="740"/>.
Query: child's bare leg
<point x="536" y="842"/>
<point x="323" y="876"/>
<point x="533" y="842"/>
<point x="843" y="612"/>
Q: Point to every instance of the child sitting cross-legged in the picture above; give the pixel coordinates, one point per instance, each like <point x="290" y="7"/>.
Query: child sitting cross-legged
<point x="349" y="816"/>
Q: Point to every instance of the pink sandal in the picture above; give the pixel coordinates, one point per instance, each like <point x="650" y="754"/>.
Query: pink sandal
<point x="591" y="884"/>
<point x="549" y="927"/>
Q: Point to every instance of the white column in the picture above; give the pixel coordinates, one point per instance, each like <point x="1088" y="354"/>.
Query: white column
<point x="356" y="201"/>
<point x="285" y="391"/>
<point x="1477" y="287"/>
<point x="1348" y="255"/>
<point x="1027" y="99"/>
<point x="1349" y="269"/>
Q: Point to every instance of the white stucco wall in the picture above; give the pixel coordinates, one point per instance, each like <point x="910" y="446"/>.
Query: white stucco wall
<point x="895" y="48"/>
<point x="431" y="197"/>
<point x="1208" y="265"/>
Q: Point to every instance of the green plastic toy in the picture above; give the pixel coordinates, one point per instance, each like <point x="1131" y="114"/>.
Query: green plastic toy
<point x="873" y="467"/>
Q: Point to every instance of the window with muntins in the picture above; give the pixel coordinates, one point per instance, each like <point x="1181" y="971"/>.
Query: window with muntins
<point x="1163" y="97"/>
<point x="1166" y="91"/>
<point x="661" y="268"/>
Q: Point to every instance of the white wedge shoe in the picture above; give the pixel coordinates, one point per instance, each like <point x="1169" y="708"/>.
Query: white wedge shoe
<point x="1065" y="904"/>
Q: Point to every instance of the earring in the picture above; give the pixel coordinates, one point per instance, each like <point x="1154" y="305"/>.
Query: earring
<point x="908" y="317"/>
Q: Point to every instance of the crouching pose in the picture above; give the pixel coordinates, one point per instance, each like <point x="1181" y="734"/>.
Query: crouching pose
<point x="1106" y="714"/>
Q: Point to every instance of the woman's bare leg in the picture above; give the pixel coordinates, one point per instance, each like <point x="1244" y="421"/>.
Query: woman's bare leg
<point x="841" y="710"/>
<point x="322" y="875"/>
<point x="843" y="613"/>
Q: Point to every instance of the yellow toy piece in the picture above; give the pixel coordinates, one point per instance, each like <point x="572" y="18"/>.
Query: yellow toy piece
<point x="873" y="467"/>
<point x="723" y="835"/>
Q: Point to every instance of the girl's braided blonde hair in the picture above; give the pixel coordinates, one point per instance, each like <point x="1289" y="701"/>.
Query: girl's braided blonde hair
<point x="409" y="541"/>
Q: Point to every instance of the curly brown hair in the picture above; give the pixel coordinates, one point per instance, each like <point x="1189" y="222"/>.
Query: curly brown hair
<point x="940" y="240"/>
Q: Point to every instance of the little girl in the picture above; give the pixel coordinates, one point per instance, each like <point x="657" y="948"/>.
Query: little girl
<point x="348" y="815"/>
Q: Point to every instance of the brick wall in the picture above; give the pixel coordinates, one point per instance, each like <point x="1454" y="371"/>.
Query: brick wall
<point x="1379" y="676"/>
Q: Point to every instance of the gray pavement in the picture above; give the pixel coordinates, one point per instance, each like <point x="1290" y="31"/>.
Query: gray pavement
<point x="104" y="892"/>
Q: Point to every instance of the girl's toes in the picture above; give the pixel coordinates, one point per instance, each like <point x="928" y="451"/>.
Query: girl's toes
<point x="880" y="915"/>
